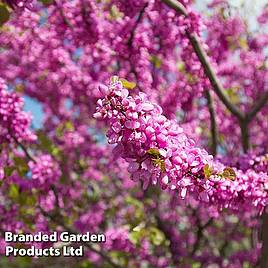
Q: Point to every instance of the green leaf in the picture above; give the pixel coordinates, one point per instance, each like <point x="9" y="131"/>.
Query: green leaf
<point x="13" y="191"/>
<point x="229" y="173"/>
<point x="21" y="165"/>
<point x="138" y="233"/>
<point x="9" y="170"/>
<point x="44" y="141"/>
<point x="30" y="200"/>
<point x="154" y="152"/>
<point x="115" y="13"/>
<point x="46" y="2"/>
<point x="127" y="84"/>
<point x="47" y="145"/>
<point x="156" y="61"/>
<point x="68" y="125"/>
<point x="85" y="264"/>
<point x="207" y="171"/>
<point x="19" y="88"/>
<point x="4" y="14"/>
<point x="181" y="66"/>
<point x="243" y="43"/>
<point x="232" y="93"/>
<point x="160" y="163"/>
<point x="156" y="236"/>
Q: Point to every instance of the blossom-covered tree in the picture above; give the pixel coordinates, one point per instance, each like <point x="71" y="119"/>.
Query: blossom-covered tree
<point x="181" y="179"/>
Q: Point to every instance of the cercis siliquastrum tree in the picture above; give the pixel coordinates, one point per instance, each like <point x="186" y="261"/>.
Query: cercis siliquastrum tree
<point x="189" y="87"/>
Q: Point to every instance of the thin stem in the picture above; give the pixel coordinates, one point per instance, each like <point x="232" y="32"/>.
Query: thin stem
<point x="24" y="149"/>
<point x="200" y="234"/>
<point x="139" y="19"/>
<point x="132" y="35"/>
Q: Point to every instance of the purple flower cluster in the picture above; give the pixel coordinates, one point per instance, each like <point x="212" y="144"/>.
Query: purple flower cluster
<point x="44" y="170"/>
<point x="158" y="151"/>
<point x="14" y="122"/>
<point x="118" y="239"/>
<point x="19" y="3"/>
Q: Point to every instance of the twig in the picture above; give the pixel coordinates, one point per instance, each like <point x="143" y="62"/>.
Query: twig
<point x="24" y="149"/>
<point x="200" y="230"/>
<point x="132" y="34"/>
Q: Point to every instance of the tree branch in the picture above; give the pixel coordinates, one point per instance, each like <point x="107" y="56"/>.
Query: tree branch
<point x="177" y="6"/>
<point x="199" y="234"/>
<point x="131" y="37"/>
<point x="204" y="59"/>
<point x="213" y="123"/>
<point x="24" y="149"/>
<point x="244" y="134"/>
<point x="132" y="34"/>
<point x="257" y="107"/>
<point x="216" y="84"/>
<point x="264" y="239"/>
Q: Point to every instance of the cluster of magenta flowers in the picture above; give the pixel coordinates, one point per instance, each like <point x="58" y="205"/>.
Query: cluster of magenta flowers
<point x="18" y="3"/>
<point x="159" y="152"/>
<point x="118" y="239"/>
<point x="45" y="170"/>
<point x="15" y="122"/>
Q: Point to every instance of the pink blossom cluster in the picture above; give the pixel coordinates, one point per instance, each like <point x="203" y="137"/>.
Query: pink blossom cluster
<point x="44" y="170"/>
<point x="19" y="3"/>
<point x="118" y="239"/>
<point x="14" y="121"/>
<point x="159" y="152"/>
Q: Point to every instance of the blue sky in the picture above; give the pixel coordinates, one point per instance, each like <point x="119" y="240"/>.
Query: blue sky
<point x="35" y="108"/>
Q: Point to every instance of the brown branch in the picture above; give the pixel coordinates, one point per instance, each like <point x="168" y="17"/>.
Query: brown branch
<point x="213" y="123"/>
<point x="264" y="239"/>
<point x="257" y="107"/>
<point x="173" y="244"/>
<point x="132" y="34"/>
<point x="226" y="242"/>
<point x="200" y="231"/>
<point x="204" y="59"/>
<point x="244" y="134"/>
<point x="24" y="149"/>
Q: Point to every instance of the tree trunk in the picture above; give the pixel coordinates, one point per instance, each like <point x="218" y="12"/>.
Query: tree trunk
<point x="264" y="239"/>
